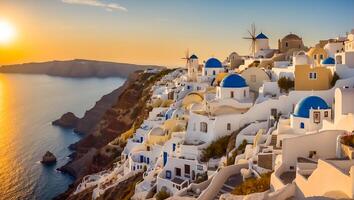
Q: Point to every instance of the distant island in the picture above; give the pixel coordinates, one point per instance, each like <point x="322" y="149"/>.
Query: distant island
<point x="77" y="68"/>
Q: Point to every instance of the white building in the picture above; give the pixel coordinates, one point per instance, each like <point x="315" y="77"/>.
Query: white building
<point x="347" y="57"/>
<point x="301" y="58"/>
<point x="334" y="47"/>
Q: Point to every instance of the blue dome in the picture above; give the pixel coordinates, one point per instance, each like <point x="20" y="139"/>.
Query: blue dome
<point x="193" y="57"/>
<point x="213" y="63"/>
<point x="328" y="61"/>
<point x="302" y="109"/>
<point x="261" y="36"/>
<point x="233" y="81"/>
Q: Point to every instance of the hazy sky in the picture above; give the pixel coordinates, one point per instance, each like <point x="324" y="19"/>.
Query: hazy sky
<point x="159" y="31"/>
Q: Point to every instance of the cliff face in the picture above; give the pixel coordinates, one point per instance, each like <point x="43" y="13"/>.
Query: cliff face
<point x="93" y="154"/>
<point x="123" y="190"/>
<point x="87" y="124"/>
<point x="76" y="68"/>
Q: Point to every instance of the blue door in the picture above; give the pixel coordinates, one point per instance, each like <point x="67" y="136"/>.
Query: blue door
<point x="164" y="158"/>
<point x="147" y="160"/>
<point x="173" y="147"/>
<point x="141" y="139"/>
<point x="302" y="125"/>
<point x="141" y="158"/>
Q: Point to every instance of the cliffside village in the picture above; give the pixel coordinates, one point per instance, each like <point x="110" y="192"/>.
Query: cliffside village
<point x="287" y="113"/>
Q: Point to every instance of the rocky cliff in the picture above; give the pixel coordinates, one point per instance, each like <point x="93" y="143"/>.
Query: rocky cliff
<point x="93" y="153"/>
<point x="123" y="190"/>
<point x="76" y="68"/>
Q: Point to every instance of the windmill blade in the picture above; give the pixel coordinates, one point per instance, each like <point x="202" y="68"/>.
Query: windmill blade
<point x="252" y="33"/>
<point x="252" y="36"/>
<point x="253" y="30"/>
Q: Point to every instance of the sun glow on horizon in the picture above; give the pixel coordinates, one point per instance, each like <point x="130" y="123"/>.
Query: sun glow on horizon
<point x="7" y="32"/>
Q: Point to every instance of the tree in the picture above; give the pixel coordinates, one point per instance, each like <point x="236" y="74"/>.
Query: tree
<point x="163" y="194"/>
<point x="286" y="83"/>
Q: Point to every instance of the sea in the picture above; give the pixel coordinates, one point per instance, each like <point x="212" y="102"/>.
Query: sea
<point x="28" y="105"/>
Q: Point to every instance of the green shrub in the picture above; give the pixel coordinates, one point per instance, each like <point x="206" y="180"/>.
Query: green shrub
<point x="242" y="146"/>
<point x="231" y="159"/>
<point x="253" y="185"/>
<point x="216" y="149"/>
<point x="163" y="194"/>
<point x="286" y="83"/>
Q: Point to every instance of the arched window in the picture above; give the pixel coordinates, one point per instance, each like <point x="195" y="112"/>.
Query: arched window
<point x="232" y="94"/>
<point x="214" y="72"/>
<point x="302" y="125"/>
<point x="203" y="127"/>
<point x="286" y="44"/>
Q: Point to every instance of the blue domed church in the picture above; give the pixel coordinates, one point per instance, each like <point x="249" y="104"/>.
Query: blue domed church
<point x="233" y="86"/>
<point x="309" y="114"/>
<point x="212" y="67"/>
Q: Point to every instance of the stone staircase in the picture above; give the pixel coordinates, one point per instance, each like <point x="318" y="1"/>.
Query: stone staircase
<point x="273" y="141"/>
<point x="230" y="184"/>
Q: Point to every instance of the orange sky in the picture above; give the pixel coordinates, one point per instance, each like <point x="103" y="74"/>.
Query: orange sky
<point x="157" y="32"/>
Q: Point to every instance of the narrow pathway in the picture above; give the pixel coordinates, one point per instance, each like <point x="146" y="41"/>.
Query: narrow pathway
<point x="230" y="184"/>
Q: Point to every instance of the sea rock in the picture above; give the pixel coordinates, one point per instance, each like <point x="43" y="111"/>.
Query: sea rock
<point x="49" y="158"/>
<point x="68" y="120"/>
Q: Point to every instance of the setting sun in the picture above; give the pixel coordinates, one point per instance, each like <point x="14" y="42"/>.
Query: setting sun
<point x="7" y="32"/>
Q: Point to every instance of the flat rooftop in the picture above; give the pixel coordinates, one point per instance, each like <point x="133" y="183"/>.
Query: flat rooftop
<point x="177" y="180"/>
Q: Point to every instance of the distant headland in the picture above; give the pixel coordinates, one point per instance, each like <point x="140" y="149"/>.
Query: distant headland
<point x="78" y="68"/>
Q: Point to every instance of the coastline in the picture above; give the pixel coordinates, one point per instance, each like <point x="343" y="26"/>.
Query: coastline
<point x="123" y="109"/>
<point x="85" y="126"/>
